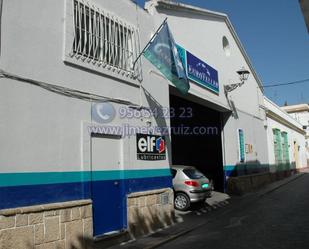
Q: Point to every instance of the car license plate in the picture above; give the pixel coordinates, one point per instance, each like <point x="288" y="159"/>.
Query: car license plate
<point x="205" y="185"/>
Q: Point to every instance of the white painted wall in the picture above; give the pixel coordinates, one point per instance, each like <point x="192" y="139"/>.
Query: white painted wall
<point x="293" y="134"/>
<point x="43" y="131"/>
<point x="303" y="118"/>
<point x="202" y="34"/>
<point x="254" y="134"/>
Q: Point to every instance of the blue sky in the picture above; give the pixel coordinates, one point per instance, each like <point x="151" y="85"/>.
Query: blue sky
<point x="275" y="37"/>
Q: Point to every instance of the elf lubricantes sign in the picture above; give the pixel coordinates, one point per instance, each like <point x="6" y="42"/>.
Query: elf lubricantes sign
<point x="150" y="147"/>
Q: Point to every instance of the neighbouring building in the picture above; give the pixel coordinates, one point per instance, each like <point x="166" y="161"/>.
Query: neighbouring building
<point x="286" y="140"/>
<point x="300" y="112"/>
<point x="304" y="4"/>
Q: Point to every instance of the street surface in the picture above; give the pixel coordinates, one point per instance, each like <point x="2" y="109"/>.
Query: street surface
<point x="276" y="220"/>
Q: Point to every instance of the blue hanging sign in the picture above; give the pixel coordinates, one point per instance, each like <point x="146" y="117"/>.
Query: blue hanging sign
<point x="199" y="71"/>
<point x="241" y="145"/>
<point x="163" y="54"/>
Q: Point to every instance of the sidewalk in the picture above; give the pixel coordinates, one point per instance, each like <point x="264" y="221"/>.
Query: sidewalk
<point x="191" y="220"/>
<point x="186" y="222"/>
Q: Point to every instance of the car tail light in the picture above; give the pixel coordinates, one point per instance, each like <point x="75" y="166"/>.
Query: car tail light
<point x="192" y="183"/>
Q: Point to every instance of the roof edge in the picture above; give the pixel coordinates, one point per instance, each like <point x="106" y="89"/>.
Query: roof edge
<point x="296" y="108"/>
<point x="201" y="11"/>
<point x="272" y="113"/>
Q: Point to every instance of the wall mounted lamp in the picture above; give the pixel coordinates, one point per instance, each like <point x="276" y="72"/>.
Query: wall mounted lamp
<point x="243" y="76"/>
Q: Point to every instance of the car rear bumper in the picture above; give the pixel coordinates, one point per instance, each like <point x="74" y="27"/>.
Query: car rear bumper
<point x="196" y="196"/>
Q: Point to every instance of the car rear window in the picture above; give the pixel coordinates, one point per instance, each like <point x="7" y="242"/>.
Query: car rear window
<point x="193" y="173"/>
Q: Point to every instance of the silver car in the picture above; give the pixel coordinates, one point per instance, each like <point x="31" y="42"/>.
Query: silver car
<point x="189" y="185"/>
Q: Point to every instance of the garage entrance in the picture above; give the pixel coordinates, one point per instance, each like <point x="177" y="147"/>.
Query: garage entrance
<point x="196" y="138"/>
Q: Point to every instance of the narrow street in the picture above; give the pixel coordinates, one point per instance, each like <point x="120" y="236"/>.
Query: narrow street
<point x="279" y="219"/>
<point x="143" y="124"/>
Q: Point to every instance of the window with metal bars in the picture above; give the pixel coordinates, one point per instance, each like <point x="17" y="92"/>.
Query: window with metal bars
<point x="103" y="38"/>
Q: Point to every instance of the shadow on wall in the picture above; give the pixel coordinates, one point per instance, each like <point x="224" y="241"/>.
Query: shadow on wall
<point x="252" y="176"/>
<point x="150" y="221"/>
<point x="75" y="243"/>
<point x="256" y="167"/>
<point x="160" y="119"/>
<point x="248" y="168"/>
<point x="142" y="226"/>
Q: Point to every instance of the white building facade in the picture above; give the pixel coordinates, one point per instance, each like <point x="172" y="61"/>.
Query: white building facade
<point x="70" y="107"/>
<point x="286" y="140"/>
<point x="84" y="148"/>
<point x="211" y="38"/>
<point x="300" y="112"/>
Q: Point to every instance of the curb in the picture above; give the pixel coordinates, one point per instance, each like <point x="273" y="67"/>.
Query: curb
<point x="185" y="231"/>
<point x="170" y="238"/>
<point x="282" y="184"/>
<point x="175" y="236"/>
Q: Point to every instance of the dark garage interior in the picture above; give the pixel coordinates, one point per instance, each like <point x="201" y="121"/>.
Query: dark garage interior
<point x="201" y="151"/>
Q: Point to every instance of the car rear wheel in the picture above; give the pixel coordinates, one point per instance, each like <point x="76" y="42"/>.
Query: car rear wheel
<point x="182" y="201"/>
